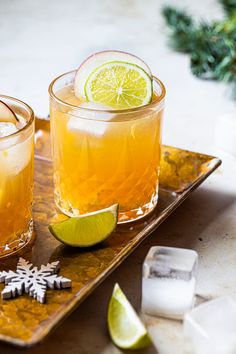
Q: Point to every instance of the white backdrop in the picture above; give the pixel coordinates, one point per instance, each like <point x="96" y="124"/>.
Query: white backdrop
<point x="40" y="39"/>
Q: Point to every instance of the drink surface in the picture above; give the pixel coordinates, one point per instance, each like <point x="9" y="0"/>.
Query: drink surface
<point x="105" y="158"/>
<point x="16" y="188"/>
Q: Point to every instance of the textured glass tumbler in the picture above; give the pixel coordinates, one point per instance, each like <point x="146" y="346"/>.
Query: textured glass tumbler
<point x="103" y="157"/>
<point x="16" y="180"/>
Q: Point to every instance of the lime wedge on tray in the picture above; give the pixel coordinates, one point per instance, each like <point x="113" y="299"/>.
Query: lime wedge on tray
<point x="115" y="79"/>
<point x="125" y="328"/>
<point x="86" y="230"/>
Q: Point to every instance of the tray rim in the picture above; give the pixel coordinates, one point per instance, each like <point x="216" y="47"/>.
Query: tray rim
<point x="56" y="320"/>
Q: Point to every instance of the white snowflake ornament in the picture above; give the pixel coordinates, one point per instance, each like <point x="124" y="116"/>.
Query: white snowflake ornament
<point x="32" y="280"/>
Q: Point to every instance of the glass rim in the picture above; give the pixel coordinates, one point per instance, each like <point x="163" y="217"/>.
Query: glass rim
<point x="28" y="124"/>
<point x="157" y="101"/>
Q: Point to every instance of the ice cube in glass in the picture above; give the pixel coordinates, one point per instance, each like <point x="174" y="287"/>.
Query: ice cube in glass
<point x="169" y="281"/>
<point x="7" y="128"/>
<point x="210" y="328"/>
<point x="85" y="121"/>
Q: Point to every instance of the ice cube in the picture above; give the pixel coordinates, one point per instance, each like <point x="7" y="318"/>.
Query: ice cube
<point x="88" y="121"/>
<point x="169" y="281"/>
<point x="210" y="328"/>
<point x="14" y="153"/>
<point x="7" y="128"/>
<point x="15" y="158"/>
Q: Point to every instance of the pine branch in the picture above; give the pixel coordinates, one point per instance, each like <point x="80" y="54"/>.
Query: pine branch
<point x="229" y="7"/>
<point x="228" y="26"/>
<point x="182" y="28"/>
<point x="214" y="53"/>
<point x="212" y="46"/>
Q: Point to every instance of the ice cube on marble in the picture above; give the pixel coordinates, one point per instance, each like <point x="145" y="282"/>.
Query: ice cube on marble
<point x="210" y="328"/>
<point x="7" y="128"/>
<point x="169" y="281"/>
<point x="88" y="122"/>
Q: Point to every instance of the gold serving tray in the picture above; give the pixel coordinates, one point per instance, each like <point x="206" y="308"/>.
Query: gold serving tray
<point x="23" y="321"/>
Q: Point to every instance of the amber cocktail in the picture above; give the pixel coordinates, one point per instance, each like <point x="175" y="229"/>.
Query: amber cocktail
<point x="103" y="157"/>
<point x="16" y="176"/>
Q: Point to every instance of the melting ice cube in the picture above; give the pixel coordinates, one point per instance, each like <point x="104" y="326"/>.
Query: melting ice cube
<point x="14" y="154"/>
<point x="7" y="128"/>
<point x="210" y="328"/>
<point x="169" y="281"/>
<point x="87" y="121"/>
<point x="15" y="158"/>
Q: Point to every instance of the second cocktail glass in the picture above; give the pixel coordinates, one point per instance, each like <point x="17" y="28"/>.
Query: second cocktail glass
<point x="16" y="178"/>
<point x="103" y="157"/>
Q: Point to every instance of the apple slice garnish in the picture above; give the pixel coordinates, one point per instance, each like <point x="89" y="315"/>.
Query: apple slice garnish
<point x="100" y="58"/>
<point x="7" y="114"/>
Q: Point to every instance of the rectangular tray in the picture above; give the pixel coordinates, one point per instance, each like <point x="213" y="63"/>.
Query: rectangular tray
<point x="23" y="321"/>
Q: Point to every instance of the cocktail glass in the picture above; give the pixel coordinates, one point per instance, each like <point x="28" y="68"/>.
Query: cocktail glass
<point x="102" y="157"/>
<point x="16" y="180"/>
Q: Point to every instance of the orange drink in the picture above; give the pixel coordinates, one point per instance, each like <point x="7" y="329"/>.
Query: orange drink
<point x="101" y="156"/>
<point x="16" y="176"/>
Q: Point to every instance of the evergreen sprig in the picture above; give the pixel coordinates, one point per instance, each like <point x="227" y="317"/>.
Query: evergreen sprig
<point x="182" y="27"/>
<point x="211" y="46"/>
<point x="229" y="7"/>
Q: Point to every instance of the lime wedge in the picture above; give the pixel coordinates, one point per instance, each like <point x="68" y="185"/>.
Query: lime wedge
<point x="119" y="85"/>
<point x="86" y="230"/>
<point x="125" y="327"/>
<point x="96" y="60"/>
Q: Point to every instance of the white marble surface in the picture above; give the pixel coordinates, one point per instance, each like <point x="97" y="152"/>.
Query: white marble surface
<point x="41" y="39"/>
